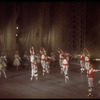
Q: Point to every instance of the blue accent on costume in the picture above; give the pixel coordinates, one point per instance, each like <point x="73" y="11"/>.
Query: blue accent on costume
<point x="25" y="61"/>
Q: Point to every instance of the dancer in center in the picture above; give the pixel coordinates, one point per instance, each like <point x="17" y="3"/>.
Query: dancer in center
<point x="33" y="60"/>
<point x="60" y="59"/>
<point x="65" y="66"/>
<point x="43" y="60"/>
<point x="82" y="55"/>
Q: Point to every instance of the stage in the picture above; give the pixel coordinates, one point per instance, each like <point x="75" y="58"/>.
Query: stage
<point x="50" y="86"/>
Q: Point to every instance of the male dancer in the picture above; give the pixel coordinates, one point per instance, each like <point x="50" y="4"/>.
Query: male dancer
<point x="34" y="69"/>
<point x="43" y="61"/>
<point x="91" y="79"/>
<point x="33" y="62"/>
<point x="87" y="58"/>
<point x="82" y="62"/>
<point x="60" y="59"/>
<point x="65" y="67"/>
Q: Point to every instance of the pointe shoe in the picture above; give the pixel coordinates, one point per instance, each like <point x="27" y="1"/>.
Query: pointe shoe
<point x="31" y="79"/>
<point x="89" y="94"/>
<point x="66" y="79"/>
<point x="5" y="76"/>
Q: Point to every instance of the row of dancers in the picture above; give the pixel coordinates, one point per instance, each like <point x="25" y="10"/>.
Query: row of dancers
<point x="34" y="59"/>
<point x="27" y="59"/>
<point x="44" y="59"/>
<point x="84" y="64"/>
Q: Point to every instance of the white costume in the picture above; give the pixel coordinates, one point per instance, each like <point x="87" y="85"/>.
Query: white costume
<point x="60" y="59"/>
<point x="91" y="79"/>
<point x="97" y="59"/>
<point x="17" y="60"/>
<point x="65" y="68"/>
<point x="87" y="61"/>
<point x="81" y="62"/>
<point x="43" y="50"/>
<point x="43" y="62"/>
<point x="32" y="56"/>
<point x="34" y="69"/>
<point x="47" y="64"/>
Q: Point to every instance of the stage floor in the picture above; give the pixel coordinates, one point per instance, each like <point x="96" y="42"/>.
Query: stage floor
<point x="50" y="86"/>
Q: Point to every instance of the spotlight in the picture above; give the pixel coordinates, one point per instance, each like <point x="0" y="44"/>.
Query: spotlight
<point x="17" y="27"/>
<point x="16" y="34"/>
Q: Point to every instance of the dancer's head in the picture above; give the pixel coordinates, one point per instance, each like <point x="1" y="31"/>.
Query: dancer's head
<point x="91" y="66"/>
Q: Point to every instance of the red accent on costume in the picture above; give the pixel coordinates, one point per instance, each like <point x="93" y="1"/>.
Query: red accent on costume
<point x="65" y="65"/>
<point x="32" y="51"/>
<point x="33" y="63"/>
<point x="91" y="74"/>
<point x="81" y="58"/>
<point x="87" y="61"/>
<point x="91" y="64"/>
<point x="44" y="55"/>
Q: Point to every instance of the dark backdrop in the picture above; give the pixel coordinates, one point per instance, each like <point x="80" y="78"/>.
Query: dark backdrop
<point x="70" y="26"/>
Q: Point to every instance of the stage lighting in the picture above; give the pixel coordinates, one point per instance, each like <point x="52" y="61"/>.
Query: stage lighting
<point x="17" y="27"/>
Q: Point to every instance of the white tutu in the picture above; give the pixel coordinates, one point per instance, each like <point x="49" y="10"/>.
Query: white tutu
<point x="16" y="62"/>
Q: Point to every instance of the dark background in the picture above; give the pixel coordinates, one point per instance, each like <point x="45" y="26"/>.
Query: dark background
<point x="66" y="25"/>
